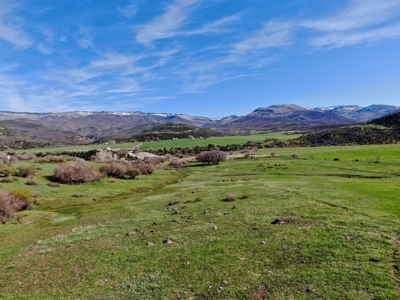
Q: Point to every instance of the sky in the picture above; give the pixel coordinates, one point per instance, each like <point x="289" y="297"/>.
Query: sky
<point x="210" y="58"/>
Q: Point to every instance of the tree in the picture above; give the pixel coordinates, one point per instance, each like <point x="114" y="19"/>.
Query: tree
<point x="211" y="157"/>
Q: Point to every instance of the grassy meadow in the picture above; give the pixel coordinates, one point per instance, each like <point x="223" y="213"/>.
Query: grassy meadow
<point x="336" y="232"/>
<point x="226" y="140"/>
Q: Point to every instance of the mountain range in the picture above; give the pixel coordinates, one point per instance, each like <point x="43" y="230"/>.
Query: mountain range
<point x="86" y="127"/>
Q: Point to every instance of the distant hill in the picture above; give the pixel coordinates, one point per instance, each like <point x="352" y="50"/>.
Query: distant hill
<point x="286" y="117"/>
<point x="23" y="134"/>
<point x="362" y="114"/>
<point x="384" y="130"/>
<point x="170" y="131"/>
<point x="86" y="127"/>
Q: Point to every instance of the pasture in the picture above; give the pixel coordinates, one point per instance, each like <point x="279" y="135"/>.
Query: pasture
<point x="227" y="140"/>
<point x="257" y="228"/>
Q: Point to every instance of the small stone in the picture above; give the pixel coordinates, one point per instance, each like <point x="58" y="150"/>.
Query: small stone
<point x="155" y="223"/>
<point x="150" y="244"/>
<point x="220" y="289"/>
<point x="205" y="212"/>
<point x="131" y="233"/>
<point x="263" y="242"/>
<point x="215" y="228"/>
<point x="186" y="263"/>
<point x="310" y="290"/>
<point x="225" y="282"/>
<point x="168" y="241"/>
<point x="176" y="221"/>
<point x="226" y="213"/>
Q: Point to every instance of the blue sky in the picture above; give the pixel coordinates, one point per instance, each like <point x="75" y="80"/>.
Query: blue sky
<point x="200" y="57"/>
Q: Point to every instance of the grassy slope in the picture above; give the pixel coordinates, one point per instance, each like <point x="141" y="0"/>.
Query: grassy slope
<point x="341" y="241"/>
<point x="218" y="141"/>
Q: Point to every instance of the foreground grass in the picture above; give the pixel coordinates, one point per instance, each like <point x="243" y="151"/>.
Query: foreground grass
<point x="339" y="238"/>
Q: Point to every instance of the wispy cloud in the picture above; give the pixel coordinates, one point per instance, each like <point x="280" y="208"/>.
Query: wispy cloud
<point x="85" y="40"/>
<point x="128" y="11"/>
<point x="166" y="25"/>
<point x="10" y="29"/>
<point x="361" y="21"/>
<point x="340" y="39"/>
<point x="358" y="14"/>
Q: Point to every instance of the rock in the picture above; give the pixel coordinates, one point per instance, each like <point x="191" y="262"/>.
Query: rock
<point x="215" y="228"/>
<point x="205" y="212"/>
<point x="150" y="244"/>
<point x="168" y="241"/>
<point x="278" y="221"/>
<point x="176" y="221"/>
<point x="220" y="289"/>
<point x="310" y="290"/>
<point x="225" y="282"/>
<point x="155" y="223"/>
<point x="263" y="242"/>
<point x="186" y="263"/>
<point x="131" y="233"/>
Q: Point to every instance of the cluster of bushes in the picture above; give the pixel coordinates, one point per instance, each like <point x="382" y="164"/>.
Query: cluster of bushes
<point x="212" y="157"/>
<point x="13" y="201"/>
<point x="77" y="173"/>
<point x="85" y="173"/>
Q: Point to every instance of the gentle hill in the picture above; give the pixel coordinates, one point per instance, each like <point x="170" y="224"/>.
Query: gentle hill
<point x="384" y="130"/>
<point x="170" y="131"/>
<point x="392" y="120"/>
<point x="23" y="134"/>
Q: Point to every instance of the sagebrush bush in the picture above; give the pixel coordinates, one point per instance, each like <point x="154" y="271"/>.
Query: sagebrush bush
<point x="212" y="157"/>
<point x="177" y="164"/>
<point x="25" y="171"/>
<point x="32" y="182"/>
<point x="76" y="174"/>
<point x="7" y="180"/>
<point x="114" y="170"/>
<point x="145" y="167"/>
<point x="13" y="201"/>
<point x="26" y="156"/>
<point x="53" y="184"/>
<point x="132" y="172"/>
<point x="6" y="170"/>
<point x="230" y="197"/>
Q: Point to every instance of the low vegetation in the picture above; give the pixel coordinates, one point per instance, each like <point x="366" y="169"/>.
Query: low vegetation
<point x="263" y="227"/>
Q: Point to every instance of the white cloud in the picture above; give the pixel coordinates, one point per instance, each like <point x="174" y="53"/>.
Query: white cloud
<point x="10" y="29"/>
<point x="274" y="34"/>
<point x="128" y="11"/>
<point x="358" y="14"/>
<point x="86" y="39"/>
<point x="362" y="21"/>
<point x="340" y="39"/>
<point x="115" y="60"/>
<point x="166" y="25"/>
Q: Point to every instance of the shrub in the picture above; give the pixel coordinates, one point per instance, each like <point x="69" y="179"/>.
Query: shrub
<point x="6" y="170"/>
<point x="146" y="168"/>
<point x="114" y="170"/>
<point x="230" y="197"/>
<point x="53" y="184"/>
<point x="211" y="157"/>
<point x="177" y="164"/>
<point x="32" y="182"/>
<point x="51" y="159"/>
<point x="75" y="174"/>
<point x="26" y="156"/>
<point x="7" y="180"/>
<point x="132" y="172"/>
<point x="25" y="171"/>
<point x="13" y="201"/>
<point x="294" y="155"/>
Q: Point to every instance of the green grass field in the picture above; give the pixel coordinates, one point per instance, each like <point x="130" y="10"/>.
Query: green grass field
<point x="218" y="141"/>
<point x="338" y="238"/>
<point x="82" y="148"/>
